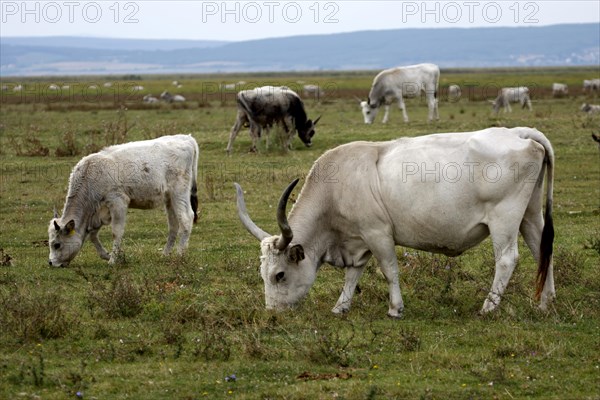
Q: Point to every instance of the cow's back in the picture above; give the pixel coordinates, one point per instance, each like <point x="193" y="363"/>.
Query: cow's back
<point x="427" y="190"/>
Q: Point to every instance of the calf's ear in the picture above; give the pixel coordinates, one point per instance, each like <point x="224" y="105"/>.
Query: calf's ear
<point x="70" y="227"/>
<point x="295" y="253"/>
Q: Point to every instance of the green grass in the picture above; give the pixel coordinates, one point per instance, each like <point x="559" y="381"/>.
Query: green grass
<point x="176" y="327"/>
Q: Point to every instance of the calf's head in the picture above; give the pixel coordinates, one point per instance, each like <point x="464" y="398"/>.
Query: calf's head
<point x="286" y="276"/>
<point x="64" y="242"/>
<point x="369" y="111"/>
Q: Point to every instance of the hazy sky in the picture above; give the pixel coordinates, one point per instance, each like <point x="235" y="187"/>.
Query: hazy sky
<point x="244" y="20"/>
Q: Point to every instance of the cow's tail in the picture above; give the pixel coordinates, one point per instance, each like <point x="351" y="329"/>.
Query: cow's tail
<point x="548" y="231"/>
<point x="194" y="189"/>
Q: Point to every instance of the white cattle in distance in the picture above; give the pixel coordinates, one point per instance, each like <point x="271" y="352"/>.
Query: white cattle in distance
<point x="313" y="91"/>
<point x="511" y="95"/>
<point x="170" y="98"/>
<point x="560" y="89"/>
<point x="398" y="83"/>
<point x="591" y="85"/>
<point x="590" y="108"/>
<point x="442" y="193"/>
<point x="103" y="185"/>
<point x="149" y="99"/>
<point x="454" y="93"/>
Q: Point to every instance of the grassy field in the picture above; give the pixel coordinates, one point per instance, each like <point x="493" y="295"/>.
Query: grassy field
<point x="195" y="327"/>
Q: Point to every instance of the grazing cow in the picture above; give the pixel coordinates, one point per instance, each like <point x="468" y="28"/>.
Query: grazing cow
<point x="314" y="91"/>
<point x="559" y="89"/>
<point x="590" y="108"/>
<point x="596" y="139"/>
<point x="591" y="85"/>
<point x="400" y="82"/>
<point x="511" y="95"/>
<point x="170" y="98"/>
<point x="143" y="175"/>
<point x="442" y="193"/>
<point x="262" y="107"/>
<point x="149" y="99"/>
<point x="454" y="93"/>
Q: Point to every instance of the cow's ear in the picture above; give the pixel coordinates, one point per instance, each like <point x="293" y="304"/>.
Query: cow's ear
<point x="70" y="227"/>
<point x="295" y="253"/>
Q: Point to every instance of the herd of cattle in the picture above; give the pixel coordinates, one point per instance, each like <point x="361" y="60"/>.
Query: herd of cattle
<point x="380" y="197"/>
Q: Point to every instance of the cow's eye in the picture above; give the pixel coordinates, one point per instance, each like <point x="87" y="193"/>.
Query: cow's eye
<point x="56" y="246"/>
<point x="368" y="112"/>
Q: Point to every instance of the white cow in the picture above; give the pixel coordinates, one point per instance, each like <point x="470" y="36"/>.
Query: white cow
<point x="149" y="99"/>
<point x="560" y="89"/>
<point x="145" y="175"/>
<point x="400" y="82"/>
<point x="170" y="98"/>
<point x="590" y="108"/>
<point x="591" y="85"/>
<point x="511" y="95"/>
<point x="314" y="91"/>
<point x="454" y="93"/>
<point x="442" y="193"/>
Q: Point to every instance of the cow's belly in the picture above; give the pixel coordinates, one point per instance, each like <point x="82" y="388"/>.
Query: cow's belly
<point x="449" y="240"/>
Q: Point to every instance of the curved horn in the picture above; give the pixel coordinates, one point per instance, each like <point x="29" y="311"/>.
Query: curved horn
<point x="55" y="212"/>
<point x="317" y="120"/>
<point x="245" y="218"/>
<point x="284" y="226"/>
<point x="357" y="99"/>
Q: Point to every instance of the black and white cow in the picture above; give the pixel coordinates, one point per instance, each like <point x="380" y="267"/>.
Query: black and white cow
<point x="262" y="107"/>
<point x="103" y="185"/>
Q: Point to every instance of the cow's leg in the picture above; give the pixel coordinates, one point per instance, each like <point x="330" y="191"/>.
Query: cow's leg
<point x="234" y="131"/>
<point x="353" y="274"/>
<point x="173" y="226"/>
<point x="102" y="252"/>
<point x="531" y="229"/>
<point x="255" y="132"/>
<point x="402" y="106"/>
<point x="432" y="107"/>
<point x="506" y="253"/>
<point x="386" y="113"/>
<point x="385" y="253"/>
<point x="507" y="107"/>
<point x="118" y="214"/>
<point x="185" y="215"/>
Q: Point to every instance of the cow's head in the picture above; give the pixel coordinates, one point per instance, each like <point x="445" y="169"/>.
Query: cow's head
<point x="496" y="104"/>
<point x="369" y="111"/>
<point x="585" y="107"/>
<point x="63" y="240"/>
<point x="283" y="268"/>
<point x="307" y="132"/>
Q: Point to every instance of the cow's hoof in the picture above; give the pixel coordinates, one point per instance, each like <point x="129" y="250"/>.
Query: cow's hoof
<point x="340" y="310"/>
<point x="395" y="314"/>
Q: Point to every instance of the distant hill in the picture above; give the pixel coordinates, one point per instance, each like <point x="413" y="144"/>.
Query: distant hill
<point x="557" y="45"/>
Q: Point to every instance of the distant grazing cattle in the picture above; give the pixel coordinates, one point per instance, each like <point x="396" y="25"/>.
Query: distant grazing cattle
<point x="137" y="88"/>
<point x="228" y="86"/>
<point x="262" y="107"/>
<point x="145" y="175"/>
<point x="511" y="95"/>
<point x="107" y="84"/>
<point x="559" y="89"/>
<point x="169" y="98"/>
<point x="398" y="83"/>
<point x="596" y="139"/>
<point x="150" y="99"/>
<point x="385" y="194"/>
<point x="18" y="88"/>
<point x="53" y="86"/>
<point x="314" y="91"/>
<point x="591" y="85"/>
<point x="590" y="108"/>
<point x="454" y="93"/>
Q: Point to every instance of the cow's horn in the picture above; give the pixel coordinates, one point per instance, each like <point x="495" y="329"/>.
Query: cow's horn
<point x="317" y="120"/>
<point x="357" y="99"/>
<point x="55" y="212"/>
<point x="245" y="218"/>
<point x="284" y="226"/>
